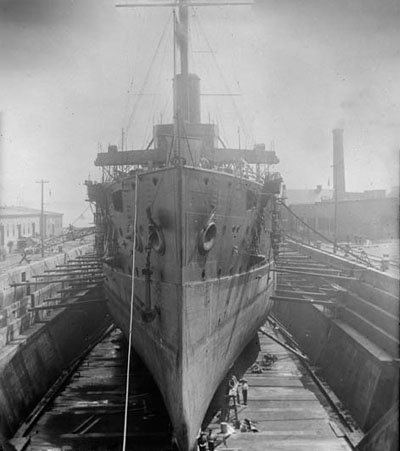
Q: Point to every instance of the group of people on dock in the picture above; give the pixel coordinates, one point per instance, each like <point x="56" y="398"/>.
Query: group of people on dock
<point x="207" y="442"/>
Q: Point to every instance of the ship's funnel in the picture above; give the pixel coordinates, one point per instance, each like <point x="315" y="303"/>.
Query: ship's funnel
<point x="338" y="164"/>
<point x="187" y="97"/>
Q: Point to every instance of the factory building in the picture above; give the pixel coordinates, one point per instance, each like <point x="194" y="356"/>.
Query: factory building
<point x="339" y="214"/>
<point x="22" y="222"/>
<point x="357" y="220"/>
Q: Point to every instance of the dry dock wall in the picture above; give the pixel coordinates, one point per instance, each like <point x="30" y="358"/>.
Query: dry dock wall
<point x="34" y="352"/>
<point x="28" y="370"/>
<point x="363" y="378"/>
<point x="384" y="436"/>
<point x="15" y="302"/>
<point x="355" y="351"/>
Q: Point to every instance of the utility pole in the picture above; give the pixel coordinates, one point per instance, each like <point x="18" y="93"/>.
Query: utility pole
<point x="42" y="182"/>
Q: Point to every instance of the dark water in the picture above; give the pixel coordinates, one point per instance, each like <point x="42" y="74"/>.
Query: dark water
<point x="89" y="413"/>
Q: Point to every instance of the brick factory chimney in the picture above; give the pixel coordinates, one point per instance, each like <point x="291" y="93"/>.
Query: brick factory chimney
<point x="338" y="164"/>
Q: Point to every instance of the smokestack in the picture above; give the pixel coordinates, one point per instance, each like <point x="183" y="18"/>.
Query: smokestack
<point x="338" y="164"/>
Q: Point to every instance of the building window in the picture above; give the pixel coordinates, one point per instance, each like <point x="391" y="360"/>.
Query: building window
<point x="13" y="230"/>
<point x="8" y="231"/>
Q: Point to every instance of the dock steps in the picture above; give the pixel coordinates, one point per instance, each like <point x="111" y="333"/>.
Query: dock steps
<point x="370" y="310"/>
<point x="354" y="343"/>
<point x="380" y="337"/>
<point x="28" y="294"/>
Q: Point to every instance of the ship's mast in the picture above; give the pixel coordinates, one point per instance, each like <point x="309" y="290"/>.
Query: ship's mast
<point x="187" y="85"/>
<point x="184" y="37"/>
<point x="186" y="92"/>
<point x="180" y="92"/>
<point x="181" y="80"/>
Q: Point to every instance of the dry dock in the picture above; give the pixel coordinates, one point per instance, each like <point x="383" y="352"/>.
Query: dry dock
<point x="48" y="319"/>
<point x="289" y="406"/>
<point x="284" y="403"/>
<point x="344" y="314"/>
<point x="88" y="413"/>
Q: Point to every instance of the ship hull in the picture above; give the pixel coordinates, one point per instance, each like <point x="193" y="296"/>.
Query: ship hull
<point x="202" y="278"/>
<point x="188" y="377"/>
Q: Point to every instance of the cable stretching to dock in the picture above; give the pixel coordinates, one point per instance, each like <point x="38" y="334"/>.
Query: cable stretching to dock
<point x="352" y="254"/>
<point x="130" y="317"/>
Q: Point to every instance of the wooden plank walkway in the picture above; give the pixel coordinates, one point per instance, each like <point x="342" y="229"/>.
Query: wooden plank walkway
<point x="287" y="409"/>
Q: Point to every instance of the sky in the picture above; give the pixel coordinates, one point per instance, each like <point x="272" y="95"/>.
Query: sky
<point x="282" y="72"/>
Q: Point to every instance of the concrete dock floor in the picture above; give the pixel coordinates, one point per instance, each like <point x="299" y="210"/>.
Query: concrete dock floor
<point x="287" y="409"/>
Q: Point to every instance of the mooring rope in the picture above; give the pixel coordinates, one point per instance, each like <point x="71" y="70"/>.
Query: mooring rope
<point x="128" y="369"/>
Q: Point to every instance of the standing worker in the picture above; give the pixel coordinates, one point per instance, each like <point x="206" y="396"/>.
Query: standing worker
<point x="234" y="390"/>
<point x="245" y="388"/>
<point x="233" y="393"/>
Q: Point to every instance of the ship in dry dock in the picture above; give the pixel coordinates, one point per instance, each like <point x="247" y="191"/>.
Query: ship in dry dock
<point x="186" y="231"/>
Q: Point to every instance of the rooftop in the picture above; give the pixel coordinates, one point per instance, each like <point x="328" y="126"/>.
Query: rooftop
<point x="24" y="211"/>
<point x="308" y="196"/>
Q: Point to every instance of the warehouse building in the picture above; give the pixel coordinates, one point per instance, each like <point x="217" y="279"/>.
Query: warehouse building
<point x="17" y="223"/>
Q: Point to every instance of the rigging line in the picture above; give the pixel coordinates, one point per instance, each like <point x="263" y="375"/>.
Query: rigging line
<point x="83" y="212"/>
<point x="155" y="101"/>
<point x="220" y="123"/>
<point x="321" y="235"/>
<point x="131" y="316"/>
<point x="91" y="208"/>
<point x="130" y="89"/>
<point x="216" y="105"/>
<point x="165" y="108"/>
<point x="241" y="120"/>
<point x="185" y="136"/>
<point x="143" y="25"/>
<point x="147" y="76"/>
<point x="159" y="79"/>
<point x="171" y="149"/>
